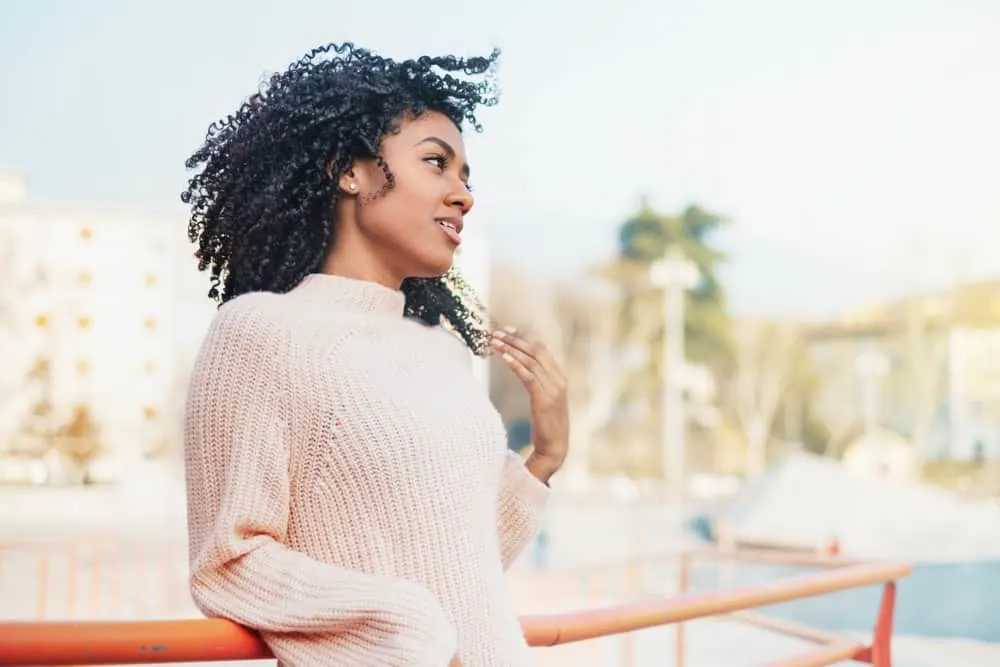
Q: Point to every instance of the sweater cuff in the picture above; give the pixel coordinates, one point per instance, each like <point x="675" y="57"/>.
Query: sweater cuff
<point x="526" y="489"/>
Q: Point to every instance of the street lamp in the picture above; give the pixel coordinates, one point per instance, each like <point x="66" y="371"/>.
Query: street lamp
<point x="674" y="274"/>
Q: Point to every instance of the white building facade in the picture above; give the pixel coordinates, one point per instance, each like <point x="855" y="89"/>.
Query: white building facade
<point x="104" y="309"/>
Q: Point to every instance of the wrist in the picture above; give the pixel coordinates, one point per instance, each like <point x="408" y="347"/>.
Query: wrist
<point x="543" y="466"/>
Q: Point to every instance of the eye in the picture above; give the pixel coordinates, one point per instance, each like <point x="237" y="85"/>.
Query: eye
<point x="438" y="161"/>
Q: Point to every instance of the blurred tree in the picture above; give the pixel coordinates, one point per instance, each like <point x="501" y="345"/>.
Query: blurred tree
<point x="518" y="300"/>
<point x="644" y="238"/>
<point x="576" y="321"/>
<point x="764" y="352"/>
<point x="770" y="390"/>
<point x="79" y="439"/>
<point x="586" y="313"/>
<point x="25" y="385"/>
<point x="797" y="421"/>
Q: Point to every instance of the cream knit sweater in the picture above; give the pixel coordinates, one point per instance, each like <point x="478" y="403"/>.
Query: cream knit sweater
<point x="350" y="492"/>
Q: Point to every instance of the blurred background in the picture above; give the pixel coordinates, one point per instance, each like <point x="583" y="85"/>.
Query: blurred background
<point x="760" y="237"/>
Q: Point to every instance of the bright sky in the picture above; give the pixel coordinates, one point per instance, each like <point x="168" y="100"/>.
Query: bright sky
<point x="856" y="146"/>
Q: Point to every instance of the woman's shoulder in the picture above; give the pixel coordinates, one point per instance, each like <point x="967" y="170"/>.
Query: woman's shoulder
<point x="261" y="308"/>
<point x="449" y="343"/>
<point x="256" y="319"/>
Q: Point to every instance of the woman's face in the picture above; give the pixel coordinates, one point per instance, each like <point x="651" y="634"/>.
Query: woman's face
<point x="415" y="226"/>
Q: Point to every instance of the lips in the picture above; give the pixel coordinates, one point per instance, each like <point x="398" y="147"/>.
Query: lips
<point x="452" y="227"/>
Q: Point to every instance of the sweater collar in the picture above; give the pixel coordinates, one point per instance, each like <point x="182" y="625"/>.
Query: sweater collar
<point x="359" y="295"/>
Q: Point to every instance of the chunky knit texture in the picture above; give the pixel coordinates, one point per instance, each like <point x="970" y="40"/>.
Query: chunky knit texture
<point x="350" y="492"/>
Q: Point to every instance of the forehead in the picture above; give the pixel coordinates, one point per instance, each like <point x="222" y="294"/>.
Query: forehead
<point x="429" y="124"/>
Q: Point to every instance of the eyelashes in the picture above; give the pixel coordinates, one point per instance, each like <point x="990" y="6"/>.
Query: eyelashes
<point x="441" y="163"/>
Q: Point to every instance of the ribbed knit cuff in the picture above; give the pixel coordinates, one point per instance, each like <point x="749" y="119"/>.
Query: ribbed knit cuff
<point x="528" y="491"/>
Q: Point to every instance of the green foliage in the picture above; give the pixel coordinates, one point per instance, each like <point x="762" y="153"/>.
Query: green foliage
<point x="643" y="239"/>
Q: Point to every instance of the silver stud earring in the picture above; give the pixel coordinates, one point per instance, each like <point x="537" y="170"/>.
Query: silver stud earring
<point x="353" y="186"/>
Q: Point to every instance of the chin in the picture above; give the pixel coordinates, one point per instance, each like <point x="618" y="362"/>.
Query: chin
<point x="433" y="267"/>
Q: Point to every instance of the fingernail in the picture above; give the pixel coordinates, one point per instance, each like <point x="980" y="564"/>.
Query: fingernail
<point x="498" y="344"/>
<point x="499" y="334"/>
<point x="507" y="357"/>
<point x="510" y="329"/>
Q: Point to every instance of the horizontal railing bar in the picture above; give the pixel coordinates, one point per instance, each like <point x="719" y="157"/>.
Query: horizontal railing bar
<point x="787" y="628"/>
<point x="825" y="656"/>
<point x="563" y="628"/>
<point x="215" y="639"/>
<point x="768" y="557"/>
<point x="128" y="642"/>
<point x="748" y="556"/>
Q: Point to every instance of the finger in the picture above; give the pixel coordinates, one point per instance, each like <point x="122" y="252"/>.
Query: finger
<point x="526" y="360"/>
<point x="537" y="350"/>
<point x="522" y="360"/>
<point x="531" y="381"/>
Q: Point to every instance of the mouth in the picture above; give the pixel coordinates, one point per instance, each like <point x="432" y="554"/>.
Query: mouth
<point x="452" y="227"/>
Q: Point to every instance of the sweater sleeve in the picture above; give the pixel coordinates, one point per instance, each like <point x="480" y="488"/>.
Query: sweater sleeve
<point x="238" y="486"/>
<point x="521" y="502"/>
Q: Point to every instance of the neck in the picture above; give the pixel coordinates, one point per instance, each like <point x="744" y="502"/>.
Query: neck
<point x="352" y="293"/>
<point x="370" y="271"/>
<point x="353" y="255"/>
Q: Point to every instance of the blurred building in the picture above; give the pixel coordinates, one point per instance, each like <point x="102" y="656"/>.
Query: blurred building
<point x="101" y="315"/>
<point x="102" y="311"/>
<point x="927" y="368"/>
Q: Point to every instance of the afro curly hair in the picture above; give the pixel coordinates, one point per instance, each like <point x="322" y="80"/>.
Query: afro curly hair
<point x="262" y="204"/>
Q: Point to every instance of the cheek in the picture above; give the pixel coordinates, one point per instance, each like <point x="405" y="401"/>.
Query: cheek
<point x="402" y="212"/>
<point x="415" y="196"/>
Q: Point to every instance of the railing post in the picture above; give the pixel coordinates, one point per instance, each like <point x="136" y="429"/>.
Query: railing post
<point x="71" y="585"/>
<point x="631" y="592"/>
<point x="680" y="651"/>
<point x="882" y="641"/>
<point x="43" y="583"/>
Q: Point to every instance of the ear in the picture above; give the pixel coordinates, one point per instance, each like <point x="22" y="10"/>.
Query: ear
<point x="347" y="181"/>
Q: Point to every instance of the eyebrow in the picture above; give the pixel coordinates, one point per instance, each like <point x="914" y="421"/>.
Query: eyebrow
<point x="447" y="148"/>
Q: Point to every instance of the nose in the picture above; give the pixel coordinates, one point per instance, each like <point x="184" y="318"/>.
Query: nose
<point x="461" y="199"/>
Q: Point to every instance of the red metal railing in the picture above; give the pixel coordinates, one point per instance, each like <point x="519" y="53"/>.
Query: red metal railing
<point x="135" y="642"/>
<point x="92" y="578"/>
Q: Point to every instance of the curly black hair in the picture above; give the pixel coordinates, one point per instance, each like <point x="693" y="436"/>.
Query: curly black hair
<point x="262" y="205"/>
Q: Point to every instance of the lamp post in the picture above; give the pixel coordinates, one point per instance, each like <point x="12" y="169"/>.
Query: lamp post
<point x="675" y="274"/>
<point x="871" y="366"/>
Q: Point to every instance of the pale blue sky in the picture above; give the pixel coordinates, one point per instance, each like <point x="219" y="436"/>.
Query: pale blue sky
<point x="854" y="144"/>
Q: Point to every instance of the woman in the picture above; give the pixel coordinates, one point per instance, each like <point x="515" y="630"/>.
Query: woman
<point x="350" y="493"/>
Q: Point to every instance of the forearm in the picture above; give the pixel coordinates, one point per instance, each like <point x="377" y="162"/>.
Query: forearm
<point x="522" y="499"/>
<point x="272" y="588"/>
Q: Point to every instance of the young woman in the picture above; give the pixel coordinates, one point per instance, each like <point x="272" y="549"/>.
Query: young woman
<point x="350" y="492"/>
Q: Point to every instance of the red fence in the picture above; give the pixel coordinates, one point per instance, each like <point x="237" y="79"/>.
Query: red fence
<point x="46" y="642"/>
